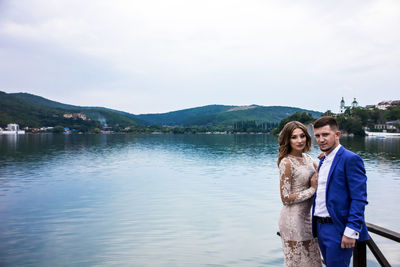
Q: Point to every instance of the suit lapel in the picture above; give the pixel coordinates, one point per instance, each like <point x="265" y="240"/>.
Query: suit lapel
<point x="337" y="158"/>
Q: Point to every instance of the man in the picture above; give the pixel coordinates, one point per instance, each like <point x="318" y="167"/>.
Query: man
<point x="338" y="209"/>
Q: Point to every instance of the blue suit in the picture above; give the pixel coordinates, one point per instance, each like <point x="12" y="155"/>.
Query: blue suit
<point x="346" y="197"/>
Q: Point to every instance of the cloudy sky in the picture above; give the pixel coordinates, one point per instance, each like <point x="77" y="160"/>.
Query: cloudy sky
<point x="156" y="56"/>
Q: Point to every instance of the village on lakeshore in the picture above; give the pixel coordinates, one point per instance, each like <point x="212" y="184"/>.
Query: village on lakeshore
<point x="379" y="127"/>
<point x="385" y="129"/>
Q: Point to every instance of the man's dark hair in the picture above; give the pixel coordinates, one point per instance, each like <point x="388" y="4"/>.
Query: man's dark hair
<point x="326" y="120"/>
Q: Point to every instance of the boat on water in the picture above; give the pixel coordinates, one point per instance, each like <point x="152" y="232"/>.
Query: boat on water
<point x="382" y="134"/>
<point x="12" y="128"/>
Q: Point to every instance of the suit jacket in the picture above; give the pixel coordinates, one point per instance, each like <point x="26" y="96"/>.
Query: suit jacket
<point x="346" y="193"/>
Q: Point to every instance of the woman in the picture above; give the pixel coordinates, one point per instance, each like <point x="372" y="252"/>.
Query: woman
<point x="298" y="183"/>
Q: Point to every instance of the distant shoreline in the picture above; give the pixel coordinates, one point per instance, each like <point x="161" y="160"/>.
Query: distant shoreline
<point x="368" y="134"/>
<point x="149" y="133"/>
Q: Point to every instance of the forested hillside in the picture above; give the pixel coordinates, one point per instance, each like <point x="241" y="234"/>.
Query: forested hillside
<point x="29" y="110"/>
<point x="220" y="115"/>
<point x="33" y="111"/>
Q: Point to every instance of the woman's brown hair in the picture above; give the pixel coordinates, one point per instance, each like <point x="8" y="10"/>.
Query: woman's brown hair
<point x="286" y="134"/>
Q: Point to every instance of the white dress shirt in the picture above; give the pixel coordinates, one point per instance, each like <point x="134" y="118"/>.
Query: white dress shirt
<point x="320" y="201"/>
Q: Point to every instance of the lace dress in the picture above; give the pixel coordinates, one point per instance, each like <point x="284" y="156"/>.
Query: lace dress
<point x="299" y="246"/>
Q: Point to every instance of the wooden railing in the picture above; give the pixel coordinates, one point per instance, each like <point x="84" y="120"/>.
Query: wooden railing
<point x="360" y="251"/>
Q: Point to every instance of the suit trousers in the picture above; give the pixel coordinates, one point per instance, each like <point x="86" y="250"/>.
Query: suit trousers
<point x="330" y="239"/>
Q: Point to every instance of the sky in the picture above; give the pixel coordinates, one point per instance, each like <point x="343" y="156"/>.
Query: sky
<point x="157" y="56"/>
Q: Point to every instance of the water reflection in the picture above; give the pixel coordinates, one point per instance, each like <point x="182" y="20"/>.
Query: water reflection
<point x="370" y="147"/>
<point x="35" y="147"/>
<point x="159" y="199"/>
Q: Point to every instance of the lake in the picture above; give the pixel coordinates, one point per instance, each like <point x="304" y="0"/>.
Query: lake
<point x="162" y="200"/>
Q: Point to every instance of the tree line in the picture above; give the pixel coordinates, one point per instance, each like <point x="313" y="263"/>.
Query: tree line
<point x="352" y="121"/>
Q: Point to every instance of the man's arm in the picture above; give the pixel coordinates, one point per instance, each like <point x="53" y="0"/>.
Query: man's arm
<point x="357" y="186"/>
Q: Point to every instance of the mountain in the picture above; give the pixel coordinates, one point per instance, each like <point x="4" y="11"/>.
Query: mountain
<point x="35" y="111"/>
<point x="41" y="101"/>
<point x="38" y="100"/>
<point x="223" y="115"/>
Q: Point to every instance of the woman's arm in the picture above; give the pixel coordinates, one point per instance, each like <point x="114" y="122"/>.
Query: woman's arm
<point x="286" y="177"/>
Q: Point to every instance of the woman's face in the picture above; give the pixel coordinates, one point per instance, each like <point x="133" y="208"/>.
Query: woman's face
<point x="298" y="140"/>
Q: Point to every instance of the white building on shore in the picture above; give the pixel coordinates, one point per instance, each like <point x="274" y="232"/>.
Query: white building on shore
<point x="12" y="128"/>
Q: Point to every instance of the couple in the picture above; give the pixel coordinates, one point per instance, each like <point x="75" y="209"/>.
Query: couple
<point x="336" y="189"/>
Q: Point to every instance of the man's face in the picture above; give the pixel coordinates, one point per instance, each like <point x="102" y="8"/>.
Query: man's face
<point x="327" y="139"/>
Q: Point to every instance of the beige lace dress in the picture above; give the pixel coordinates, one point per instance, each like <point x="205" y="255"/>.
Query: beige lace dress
<point x="299" y="246"/>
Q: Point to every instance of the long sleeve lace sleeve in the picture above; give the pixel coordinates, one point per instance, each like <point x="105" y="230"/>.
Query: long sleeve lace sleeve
<point x="286" y="176"/>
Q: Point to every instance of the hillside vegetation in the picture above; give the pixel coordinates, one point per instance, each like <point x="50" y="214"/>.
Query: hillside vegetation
<point x="220" y="115"/>
<point x="353" y="121"/>
<point x="34" y="111"/>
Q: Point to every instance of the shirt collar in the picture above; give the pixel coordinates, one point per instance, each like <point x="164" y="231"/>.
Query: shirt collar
<point x="332" y="155"/>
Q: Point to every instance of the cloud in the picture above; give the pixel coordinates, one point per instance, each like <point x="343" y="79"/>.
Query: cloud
<point x="172" y="54"/>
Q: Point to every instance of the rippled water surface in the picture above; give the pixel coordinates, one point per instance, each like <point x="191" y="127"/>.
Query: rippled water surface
<point x="161" y="200"/>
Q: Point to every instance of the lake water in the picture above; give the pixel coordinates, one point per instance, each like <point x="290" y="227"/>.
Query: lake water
<point x="162" y="200"/>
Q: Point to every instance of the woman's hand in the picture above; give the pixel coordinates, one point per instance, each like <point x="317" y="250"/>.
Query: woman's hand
<point x="314" y="180"/>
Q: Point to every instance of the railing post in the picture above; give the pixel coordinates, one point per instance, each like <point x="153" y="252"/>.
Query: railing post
<point x="360" y="255"/>
<point x="377" y="253"/>
<point x="360" y="249"/>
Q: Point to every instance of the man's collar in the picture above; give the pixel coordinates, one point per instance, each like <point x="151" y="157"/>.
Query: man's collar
<point x="333" y="153"/>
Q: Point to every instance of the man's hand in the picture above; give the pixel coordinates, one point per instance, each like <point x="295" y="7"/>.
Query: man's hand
<point x="348" y="242"/>
<point x="314" y="180"/>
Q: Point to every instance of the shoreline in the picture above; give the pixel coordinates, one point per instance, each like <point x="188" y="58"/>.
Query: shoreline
<point x="382" y="134"/>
